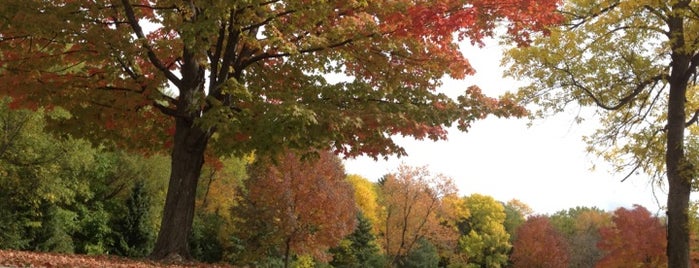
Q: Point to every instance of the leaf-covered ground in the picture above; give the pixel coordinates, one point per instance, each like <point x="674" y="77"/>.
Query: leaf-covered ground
<point x="10" y="258"/>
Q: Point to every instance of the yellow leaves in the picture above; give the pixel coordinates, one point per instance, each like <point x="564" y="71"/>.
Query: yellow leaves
<point x="455" y="208"/>
<point x="486" y="242"/>
<point x="365" y="197"/>
<point x="614" y="55"/>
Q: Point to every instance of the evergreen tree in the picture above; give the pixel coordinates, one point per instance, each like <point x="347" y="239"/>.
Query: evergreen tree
<point x="358" y="249"/>
<point x="136" y="234"/>
<point x="424" y="256"/>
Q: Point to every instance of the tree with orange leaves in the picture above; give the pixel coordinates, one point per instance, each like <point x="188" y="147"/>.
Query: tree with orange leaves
<point x="295" y="207"/>
<point x="410" y="201"/>
<point x="637" y="239"/>
<point x="538" y="244"/>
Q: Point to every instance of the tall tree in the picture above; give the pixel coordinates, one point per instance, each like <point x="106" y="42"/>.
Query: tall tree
<point x="636" y="61"/>
<point x="296" y="207"/>
<point x="249" y="75"/>
<point x="637" y="239"/>
<point x="359" y="249"/>
<point x="539" y="245"/>
<point x="410" y="200"/>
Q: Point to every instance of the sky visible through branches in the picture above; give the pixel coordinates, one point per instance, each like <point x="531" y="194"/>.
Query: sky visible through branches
<point x="544" y="165"/>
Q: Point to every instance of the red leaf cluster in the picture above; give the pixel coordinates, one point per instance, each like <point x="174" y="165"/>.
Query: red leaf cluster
<point x="637" y="239"/>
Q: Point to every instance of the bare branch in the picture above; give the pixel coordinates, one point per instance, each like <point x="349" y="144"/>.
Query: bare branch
<point x="633" y="171"/>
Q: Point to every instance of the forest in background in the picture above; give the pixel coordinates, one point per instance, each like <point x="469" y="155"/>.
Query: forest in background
<point x="300" y="209"/>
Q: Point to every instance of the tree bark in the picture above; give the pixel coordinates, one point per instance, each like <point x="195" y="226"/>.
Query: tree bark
<point x="187" y="160"/>
<point x="678" y="182"/>
<point x="676" y="165"/>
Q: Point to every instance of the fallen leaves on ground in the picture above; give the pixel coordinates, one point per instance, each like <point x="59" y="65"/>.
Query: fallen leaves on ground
<point x="9" y="258"/>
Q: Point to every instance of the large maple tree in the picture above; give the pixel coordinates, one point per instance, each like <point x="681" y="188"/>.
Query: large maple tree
<point x="251" y="75"/>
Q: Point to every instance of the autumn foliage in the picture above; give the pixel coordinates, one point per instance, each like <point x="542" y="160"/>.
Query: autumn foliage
<point x="637" y="239"/>
<point x="539" y="244"/>
<point x="411" y="200"/>
<point x="294" y="207"/>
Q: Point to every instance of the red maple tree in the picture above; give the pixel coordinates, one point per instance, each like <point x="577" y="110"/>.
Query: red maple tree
<point x="637" y="239"/>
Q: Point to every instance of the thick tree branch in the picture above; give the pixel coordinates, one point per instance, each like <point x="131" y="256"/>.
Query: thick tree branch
<point x="692" y="120"/>
<point x="267" y="20"/>
<point x="215" y="57"/>
<point x="268" y="55"/>
<point x="167" y="110"/>
<point x="693" y="65"/>
<point x="621" y="102"/>
<point x="587" y="17"/>
<point x="128" y="8"/>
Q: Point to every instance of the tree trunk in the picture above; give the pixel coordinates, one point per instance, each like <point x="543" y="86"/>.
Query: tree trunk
<point x="187" y="160"/>
<point x="287" y="252"/>
<point x="677" y="166"/>
<point x="678" y="182"/>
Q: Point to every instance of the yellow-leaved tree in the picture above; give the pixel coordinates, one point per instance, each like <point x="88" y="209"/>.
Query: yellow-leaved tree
<point x="637" y="62"/>
<point x="366" y="198"/>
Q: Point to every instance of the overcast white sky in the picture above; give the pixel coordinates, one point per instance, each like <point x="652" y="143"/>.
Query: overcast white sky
<point x="544" y="165"/>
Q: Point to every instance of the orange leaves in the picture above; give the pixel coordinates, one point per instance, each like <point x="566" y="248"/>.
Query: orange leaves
<point x="411" y="200"/>
<point x="299" y="206"/>
<point x="637" y="239"/>
<point x="538" y="244"/>
<point x="476" y="105"/>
